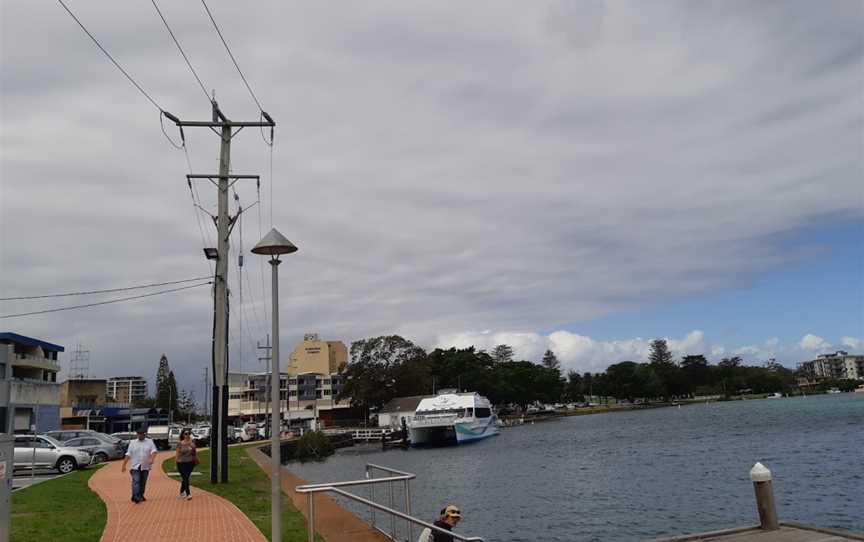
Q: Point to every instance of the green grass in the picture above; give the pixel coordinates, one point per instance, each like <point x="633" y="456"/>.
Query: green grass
<point x="60" y="509"/>
<point x="249" y="490"/>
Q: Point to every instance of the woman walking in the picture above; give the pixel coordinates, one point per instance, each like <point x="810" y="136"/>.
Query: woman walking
<point x="186" y="458"/>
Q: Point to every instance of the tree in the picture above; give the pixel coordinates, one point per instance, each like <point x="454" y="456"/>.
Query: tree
<point x="502" y="353"/>
<point x="696" y="370"/>
<point x="378" y="366"/>
<point x="660" y="353"/>
<point x="166" y="386"/>
<point x="573" y="388"/>
<point x="550" y="360"/>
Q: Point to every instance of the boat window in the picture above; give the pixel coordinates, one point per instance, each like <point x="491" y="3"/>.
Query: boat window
<point x="483" y="412"/>
<point x="448" y="412"/>
<point x="469" y="412"/>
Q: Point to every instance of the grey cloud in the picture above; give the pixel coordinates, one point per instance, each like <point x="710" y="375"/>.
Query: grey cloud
<point x="443" y="168"/>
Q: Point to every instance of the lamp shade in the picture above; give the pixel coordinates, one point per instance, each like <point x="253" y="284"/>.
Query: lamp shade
<point x="274" y="244"/>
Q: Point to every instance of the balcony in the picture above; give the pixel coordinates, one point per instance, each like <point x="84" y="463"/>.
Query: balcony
<point x="37" y="362"/>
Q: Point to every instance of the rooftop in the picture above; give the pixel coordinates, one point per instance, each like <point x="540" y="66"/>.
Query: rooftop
<point x="30" y="341"/>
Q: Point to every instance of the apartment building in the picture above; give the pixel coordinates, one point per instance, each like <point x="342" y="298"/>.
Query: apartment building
<point x="126" y="389"/>
<point x="301" y="396"/>
<point x="28" y="373"/>
<point x="840" y="365"/>
<point x="316" y="356"/>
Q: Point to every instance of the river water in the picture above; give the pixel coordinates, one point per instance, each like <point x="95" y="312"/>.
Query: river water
<point x="637" y="475"/>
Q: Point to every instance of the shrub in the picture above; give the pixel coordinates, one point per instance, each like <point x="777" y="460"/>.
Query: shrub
<point x="313" y="445"/>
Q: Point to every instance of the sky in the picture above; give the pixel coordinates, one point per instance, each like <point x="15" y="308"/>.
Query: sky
<point x="581" y="176"/>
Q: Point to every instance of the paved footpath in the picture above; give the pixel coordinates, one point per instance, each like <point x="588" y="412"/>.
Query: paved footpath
<point x="163" y="517"/>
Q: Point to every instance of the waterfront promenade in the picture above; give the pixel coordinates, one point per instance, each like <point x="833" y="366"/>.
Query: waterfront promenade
<point x="163" y="517"/>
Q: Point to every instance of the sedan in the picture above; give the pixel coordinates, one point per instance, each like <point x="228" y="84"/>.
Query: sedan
<point x="101" y="450"/>
<point x="41" y="452"/>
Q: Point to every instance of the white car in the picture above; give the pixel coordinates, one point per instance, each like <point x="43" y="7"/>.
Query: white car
<point x="41" y="452"/>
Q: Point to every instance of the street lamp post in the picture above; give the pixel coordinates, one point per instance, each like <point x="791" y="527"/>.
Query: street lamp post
<point x="275" y="244"/>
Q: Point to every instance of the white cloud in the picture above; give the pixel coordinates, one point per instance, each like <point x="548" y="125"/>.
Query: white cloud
<point x="851" y="342"/>
<point x="813" y="343"/>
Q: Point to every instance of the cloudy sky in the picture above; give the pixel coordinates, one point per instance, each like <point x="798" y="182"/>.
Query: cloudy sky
<point x="577" y="175"/>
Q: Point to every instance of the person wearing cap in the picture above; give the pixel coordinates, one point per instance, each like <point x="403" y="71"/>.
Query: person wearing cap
<point x="141" y="452"/>
<point x="450" y="516"/>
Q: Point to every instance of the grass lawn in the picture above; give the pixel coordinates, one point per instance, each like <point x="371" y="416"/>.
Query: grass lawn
<point x="60" y="509"/>
<point x="249" y="490"/>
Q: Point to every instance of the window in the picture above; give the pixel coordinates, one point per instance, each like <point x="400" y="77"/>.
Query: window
<point x="75" y="442"/>
<point x="326" y="392"/>
<point x="326" y="381"/>
<point x="482" y="412"/>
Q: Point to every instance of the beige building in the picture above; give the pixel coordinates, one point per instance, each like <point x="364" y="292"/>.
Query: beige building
<point x="301" y="396"/>
<point x="316" y="356"/>
<point x="126" y="389"/>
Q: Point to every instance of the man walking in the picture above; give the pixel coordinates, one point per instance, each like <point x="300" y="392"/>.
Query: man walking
<point x="141" y="451"/>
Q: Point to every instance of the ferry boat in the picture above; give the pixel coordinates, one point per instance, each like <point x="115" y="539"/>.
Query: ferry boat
<point x="452" y="418"/>
<point x="860" y="389"/>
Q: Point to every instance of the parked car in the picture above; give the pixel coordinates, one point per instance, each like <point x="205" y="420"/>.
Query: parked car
<point x="43" y="452"/>
<point x="118" y="445"/>
<point x="101" y="450"/>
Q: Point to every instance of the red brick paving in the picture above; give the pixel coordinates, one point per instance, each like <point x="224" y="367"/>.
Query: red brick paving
<point x="163" y="517"/>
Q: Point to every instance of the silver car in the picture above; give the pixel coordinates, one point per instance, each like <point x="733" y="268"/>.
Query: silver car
<point x="101" y="450"/>
<point x="41" y="452"/>
<point x="116" y="449"/>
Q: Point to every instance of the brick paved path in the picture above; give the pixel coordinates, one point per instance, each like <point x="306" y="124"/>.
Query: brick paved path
<point x="162" y="517"/>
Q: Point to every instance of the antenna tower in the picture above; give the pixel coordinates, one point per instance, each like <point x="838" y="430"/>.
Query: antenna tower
<point x="79" y="365"/>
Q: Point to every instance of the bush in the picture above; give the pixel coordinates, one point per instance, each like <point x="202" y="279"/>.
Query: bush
<point x="313" y="445"/>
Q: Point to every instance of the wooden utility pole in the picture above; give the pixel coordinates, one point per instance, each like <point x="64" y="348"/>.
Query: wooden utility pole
<point x="224" y="225"/>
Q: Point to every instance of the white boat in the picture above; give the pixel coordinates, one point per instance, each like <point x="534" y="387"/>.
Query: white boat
<point x="775" y="395"/>
<point x="452" y="418"/>
<point x="860" y="389"/>
<point x="832" y="391"/>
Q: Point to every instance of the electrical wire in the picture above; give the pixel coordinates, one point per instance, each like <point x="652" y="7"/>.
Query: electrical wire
<point x="69" y="294"/>
<point x="111" y="58"/>
<point x="105" y="302"/>
<point x="216" y="26"/>
<point x="183" y="53"/>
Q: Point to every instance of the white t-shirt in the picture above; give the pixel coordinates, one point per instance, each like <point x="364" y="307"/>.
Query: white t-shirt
<point x="139" y="453"/>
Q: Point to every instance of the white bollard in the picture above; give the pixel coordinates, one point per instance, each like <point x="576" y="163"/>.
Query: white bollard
<point x="764" y="489"/>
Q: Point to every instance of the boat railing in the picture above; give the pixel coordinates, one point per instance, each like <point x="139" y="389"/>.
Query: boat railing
<point x="393" y="477"/>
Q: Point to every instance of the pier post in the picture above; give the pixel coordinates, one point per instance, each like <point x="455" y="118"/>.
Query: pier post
<point x="764" y="489"/>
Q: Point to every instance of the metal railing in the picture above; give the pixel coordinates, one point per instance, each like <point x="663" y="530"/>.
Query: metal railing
<point x="396" y="476"/>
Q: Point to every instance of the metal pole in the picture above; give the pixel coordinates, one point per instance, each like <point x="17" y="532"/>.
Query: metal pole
<point x="311" y="518"/>
<point x="275" y="450"/>
<point x="390" y="504"/>
<point x="408" y="509"/>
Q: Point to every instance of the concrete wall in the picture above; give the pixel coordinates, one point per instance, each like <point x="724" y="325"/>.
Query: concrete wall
<point x="80" y="392"/>
<point x="28" y="392"/>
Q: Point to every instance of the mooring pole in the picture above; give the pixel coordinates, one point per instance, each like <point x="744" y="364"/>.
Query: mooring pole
<point x="764" y="489"/>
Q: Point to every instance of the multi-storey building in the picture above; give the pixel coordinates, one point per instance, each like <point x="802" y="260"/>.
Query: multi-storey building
<point x="316" y="356"/>
<point x="126" y="389"/>
<point x="28" y="372"/>
<point x="301" y="397"/>
<point x="840" y="365"/>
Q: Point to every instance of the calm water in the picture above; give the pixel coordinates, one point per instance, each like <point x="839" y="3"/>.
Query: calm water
<point x="639" y="475"/>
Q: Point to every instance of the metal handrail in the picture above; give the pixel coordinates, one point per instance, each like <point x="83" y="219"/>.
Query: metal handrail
<point x="406" y="517"/>
<point x="405" y="477"/>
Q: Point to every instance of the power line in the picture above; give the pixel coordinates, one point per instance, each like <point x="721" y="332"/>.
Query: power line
<point x="104" y="302"/>
<point x="216" y="26"/>
<point x="111" y="58"/>
<point x="69" y="294"/>
<point x="186" y="58"/>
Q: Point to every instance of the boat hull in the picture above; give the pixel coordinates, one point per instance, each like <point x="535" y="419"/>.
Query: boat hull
<point x="454" y="433"/>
